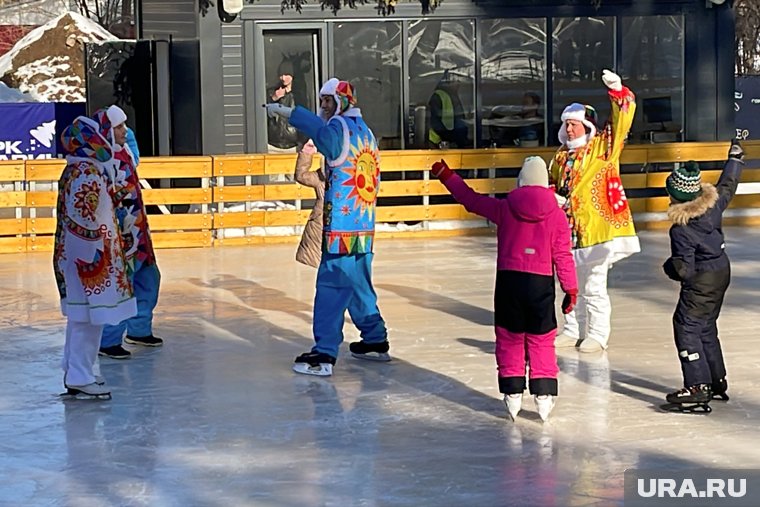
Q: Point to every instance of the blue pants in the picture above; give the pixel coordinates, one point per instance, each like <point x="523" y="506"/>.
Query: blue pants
<point x="146" y="281"/>
<point x="344" y="282"/>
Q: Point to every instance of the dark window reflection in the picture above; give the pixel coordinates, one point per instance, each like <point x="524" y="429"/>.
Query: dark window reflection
<point x="652" y="66"/>
<point x="582" y="47"/>
<point x="368" y="54"/>
<point x="441" y="84"/>
<point x="513" y="70"/>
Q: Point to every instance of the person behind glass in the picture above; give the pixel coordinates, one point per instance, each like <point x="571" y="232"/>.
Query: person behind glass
<point x="698" y="261"/>
<point x="532" y="133"/>
<point x="138" y="247"/>
<point x="281" y="136"/>
<point x="88" y="258"/>
<point x="533" y="243"/>
<point x="344" y="277"/>
<point x="586" y="174"/>
<point x="447" y="126"/>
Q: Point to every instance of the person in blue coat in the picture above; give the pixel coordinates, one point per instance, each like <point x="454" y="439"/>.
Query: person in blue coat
<point x="344" y="276"/>
<point x="699" y="262"/>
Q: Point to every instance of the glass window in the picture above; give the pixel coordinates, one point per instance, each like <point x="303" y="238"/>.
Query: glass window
<point x="368" y="54"/>
<point x="290" y="58"/>
<point x="582" y="48"/>
<point x="652" y="67"/>
<point x="441" y="84"/>
<point x="513" y="70"/>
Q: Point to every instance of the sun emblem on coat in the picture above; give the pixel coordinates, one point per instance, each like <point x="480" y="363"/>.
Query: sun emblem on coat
<point x="364" y="172"/>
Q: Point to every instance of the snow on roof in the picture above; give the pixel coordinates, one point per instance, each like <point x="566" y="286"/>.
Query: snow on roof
<point x="40" y="55"/>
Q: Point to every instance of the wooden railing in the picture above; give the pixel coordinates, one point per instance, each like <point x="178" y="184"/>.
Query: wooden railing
<point x="247" y="199"/>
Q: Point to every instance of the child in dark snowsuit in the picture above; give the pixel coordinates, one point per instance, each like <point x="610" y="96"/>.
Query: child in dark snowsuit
<point x="699" y="262"/>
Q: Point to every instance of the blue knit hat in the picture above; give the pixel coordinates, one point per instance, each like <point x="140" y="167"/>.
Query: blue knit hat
<point x="685" y="183"/>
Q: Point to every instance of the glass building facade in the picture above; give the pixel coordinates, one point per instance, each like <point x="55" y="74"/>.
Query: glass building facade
<point x="480" y="74"/>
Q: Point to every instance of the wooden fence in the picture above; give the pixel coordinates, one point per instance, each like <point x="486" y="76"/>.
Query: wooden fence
<point x="249" y="199"/>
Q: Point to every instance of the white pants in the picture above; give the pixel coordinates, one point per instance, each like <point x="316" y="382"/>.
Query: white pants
<point x="80" y="353"/>
<point x="593" y="311"/>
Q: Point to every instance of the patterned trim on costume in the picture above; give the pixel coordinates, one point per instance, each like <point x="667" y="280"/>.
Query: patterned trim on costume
<point x="347" y="243"/>
<point x="80" y="231"/>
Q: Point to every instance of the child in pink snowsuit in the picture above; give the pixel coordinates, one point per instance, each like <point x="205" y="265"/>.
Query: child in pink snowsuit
<point x="533" y="242"/>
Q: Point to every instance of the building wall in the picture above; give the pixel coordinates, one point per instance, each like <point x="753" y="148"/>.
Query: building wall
<point x="233" y="88"/>
<point x="161" y="19"/>
<point x="226" y="55"/>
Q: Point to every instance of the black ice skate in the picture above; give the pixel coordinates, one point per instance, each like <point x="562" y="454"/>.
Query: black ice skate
<point x="314" y="363"/>
<point x="145" y="341"/>
<point x="371" y="351"/>
<point x="92" y="391"/>
<point x="719" y="390"/>
<point x="692" y="400"/>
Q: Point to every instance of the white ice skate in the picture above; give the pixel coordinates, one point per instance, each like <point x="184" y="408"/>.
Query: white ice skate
<point x="544" y="405"/>
<point x="514" y="404"/>
<point x="92" y="391"/>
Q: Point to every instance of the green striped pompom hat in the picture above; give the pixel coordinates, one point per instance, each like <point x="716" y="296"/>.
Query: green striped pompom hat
<point x="685" y="183"/>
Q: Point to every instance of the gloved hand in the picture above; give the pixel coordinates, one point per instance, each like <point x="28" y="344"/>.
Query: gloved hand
<point x="571" y="297"/>
<point x="736" y="151"/>
<point x="612" y="80"/>
<point x="441" y="170"/>
<point x="276" y="109"/>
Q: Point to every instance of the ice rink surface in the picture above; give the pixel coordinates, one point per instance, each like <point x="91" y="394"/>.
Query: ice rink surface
<point x="217" y="418"/>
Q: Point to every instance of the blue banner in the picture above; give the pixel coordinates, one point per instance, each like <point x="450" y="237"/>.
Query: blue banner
<point x="33" y="130"/>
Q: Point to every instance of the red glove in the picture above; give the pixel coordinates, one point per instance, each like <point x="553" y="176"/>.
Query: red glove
<point x="441" y="170"/>
<point x="571" y="297"/>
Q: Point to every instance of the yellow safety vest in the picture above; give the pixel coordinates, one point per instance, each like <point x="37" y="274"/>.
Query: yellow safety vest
<point x="447" y="116"/>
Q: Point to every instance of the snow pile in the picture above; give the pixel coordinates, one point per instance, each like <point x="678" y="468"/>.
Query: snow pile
<point x="48" y="63"/>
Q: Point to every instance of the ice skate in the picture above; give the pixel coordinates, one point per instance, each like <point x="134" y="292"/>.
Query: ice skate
<point x="115" y="352"/>
<point x="514" y="404"/>
<point x="92" y="391"/>
<point x="145" y="341"/>
<point x="565" y="341"/>
<point x="314" y="363"/>
<point x="690" y="400"/>
<point x="719" y="390"/>
<point x="544" y="405"/>
<point x="371" y="351"/>
<point x="590" y="345"/>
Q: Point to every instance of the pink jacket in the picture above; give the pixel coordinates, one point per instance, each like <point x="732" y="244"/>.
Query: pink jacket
<point x="533" y="232"/>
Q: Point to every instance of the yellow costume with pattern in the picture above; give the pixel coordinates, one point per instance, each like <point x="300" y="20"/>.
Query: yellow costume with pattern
<point x="589" y="178"/>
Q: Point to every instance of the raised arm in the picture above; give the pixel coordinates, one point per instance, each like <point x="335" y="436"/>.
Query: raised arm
<point x="303" y="173"/>
<point x="622" y="109"/>
<point x="473" y="202"/>
<point x="729" y="178"/>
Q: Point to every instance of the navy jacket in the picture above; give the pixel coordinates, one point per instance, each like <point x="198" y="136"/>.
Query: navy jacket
<point x="696" y="237"/>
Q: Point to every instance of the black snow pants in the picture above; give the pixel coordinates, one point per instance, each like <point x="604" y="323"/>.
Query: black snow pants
<point x="695" y="327"/>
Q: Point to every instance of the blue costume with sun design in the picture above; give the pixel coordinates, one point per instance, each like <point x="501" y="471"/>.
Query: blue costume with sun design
<point x="352" y="179"/>
<point x="344" y="277"/>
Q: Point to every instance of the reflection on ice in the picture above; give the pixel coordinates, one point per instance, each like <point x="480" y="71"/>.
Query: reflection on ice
<point x="217" y="418"/>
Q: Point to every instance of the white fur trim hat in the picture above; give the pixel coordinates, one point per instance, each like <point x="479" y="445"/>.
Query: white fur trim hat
<point x="342" y="92"/>
<point x="116" y="115"/>
<point x="581" y="113"/>
<point x="533" y="173"/>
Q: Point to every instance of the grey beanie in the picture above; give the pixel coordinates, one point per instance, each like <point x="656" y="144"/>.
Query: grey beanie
<point x="533" y="173"/>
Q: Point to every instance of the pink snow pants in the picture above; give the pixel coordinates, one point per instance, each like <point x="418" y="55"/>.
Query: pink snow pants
<point x="514" y="350"/>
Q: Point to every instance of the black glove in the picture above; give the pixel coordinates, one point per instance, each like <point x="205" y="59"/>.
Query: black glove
<point x="736" y="151"/>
